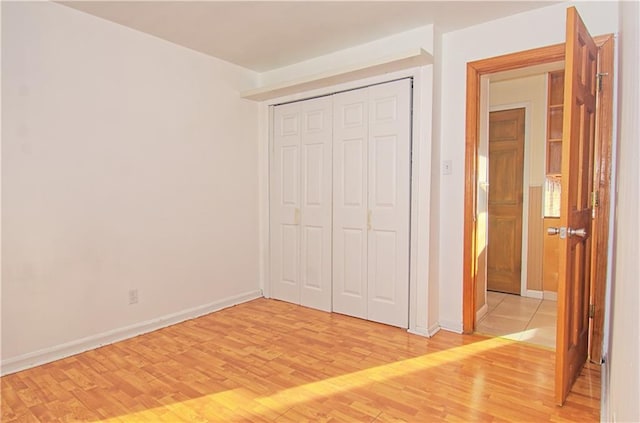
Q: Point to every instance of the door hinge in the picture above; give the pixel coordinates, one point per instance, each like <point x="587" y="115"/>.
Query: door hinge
<point x="595" y="199"/>
<point x="592" y="311"/>
<point x="599" y="75"/>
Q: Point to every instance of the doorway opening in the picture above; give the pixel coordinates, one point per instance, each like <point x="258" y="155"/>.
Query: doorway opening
<point x="516" y="281"/>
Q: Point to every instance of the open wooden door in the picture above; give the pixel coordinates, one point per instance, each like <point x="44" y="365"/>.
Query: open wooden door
<point x="575" y="222"/>
<point x="602" y="185"/>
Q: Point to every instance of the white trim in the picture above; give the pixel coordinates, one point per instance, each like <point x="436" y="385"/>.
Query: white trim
<point x="451" y="326"/>
<point x="526" y="177"/>
<point x="265" y="142"/>
<point x="550" y="295"/>
<point x="426" y="332"/>
<point x="482" y="312"/>
<point x="419" y="331"/>
<point x="532" y="293"/>
<point x="372" y="68"/>
<point x="433" y="329"/>
<point x="78" y="346"/>
<point x="265" y="116"/>
<point x="420" y="178"/>
<point x="422" y="98"/>
<point x="345" y="86"/>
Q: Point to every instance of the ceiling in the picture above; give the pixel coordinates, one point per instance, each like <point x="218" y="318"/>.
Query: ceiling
<point x="265" y="35"/>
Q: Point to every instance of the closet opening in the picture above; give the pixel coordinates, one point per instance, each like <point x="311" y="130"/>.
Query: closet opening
<point x="340" y="202"/>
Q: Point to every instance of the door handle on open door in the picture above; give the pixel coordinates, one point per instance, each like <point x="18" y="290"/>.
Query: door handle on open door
<point x="562" y="231"/>
<point x="582" y="232"/>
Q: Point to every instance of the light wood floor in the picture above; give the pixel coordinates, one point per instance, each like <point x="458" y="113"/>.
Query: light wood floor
<point x="271" y="361"/>
<point x="520" y="318"/>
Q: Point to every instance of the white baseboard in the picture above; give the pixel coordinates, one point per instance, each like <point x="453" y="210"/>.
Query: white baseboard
<point x="451" y="326"/>
<point x="550" y="295"/>
<point x="435" y="328"/>
<point x="532" y="293"/>
<point x="419" y="331"/>
<point x="480" y="313"/>
<point x="426" y="332"/>
<point x="68" y="349"/>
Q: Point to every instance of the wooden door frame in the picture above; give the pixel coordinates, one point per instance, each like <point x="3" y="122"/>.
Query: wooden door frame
<point x="475" y="70"/>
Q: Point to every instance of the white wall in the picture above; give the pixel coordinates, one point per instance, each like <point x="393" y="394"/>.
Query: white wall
<point x="524" y="31"/>
<point x="622" y="377"/>
<point x="403" y="42"/>
<point x="128" y="162"/>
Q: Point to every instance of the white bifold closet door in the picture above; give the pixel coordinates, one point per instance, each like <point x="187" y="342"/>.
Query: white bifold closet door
<point x="371" y="202"/>
<point x="300" y="203"/>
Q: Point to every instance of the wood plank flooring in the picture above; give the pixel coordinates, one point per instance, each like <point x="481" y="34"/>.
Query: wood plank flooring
<point x="267" y="361"/>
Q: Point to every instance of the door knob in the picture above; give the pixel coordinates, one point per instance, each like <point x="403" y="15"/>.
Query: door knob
<point x="582" y="232"/>
<point x="562" y="231"/>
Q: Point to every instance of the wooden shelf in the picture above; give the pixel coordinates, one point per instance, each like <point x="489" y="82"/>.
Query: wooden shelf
<point x="554" y="122"/>
<point x="410" y="59"/>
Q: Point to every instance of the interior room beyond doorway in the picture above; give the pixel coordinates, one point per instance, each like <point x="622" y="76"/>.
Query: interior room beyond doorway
<point x="526" y="311"/>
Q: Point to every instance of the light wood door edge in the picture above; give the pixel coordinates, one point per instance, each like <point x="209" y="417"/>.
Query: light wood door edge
<point x="475" y="70"/>
<point x="602" y="184"/>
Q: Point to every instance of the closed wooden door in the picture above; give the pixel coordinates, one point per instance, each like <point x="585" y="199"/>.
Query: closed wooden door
<point x="301" y="203"/>
<point x="578" y="132"/>
<point x="371" y="203"/>
<point x="506" y="163"/>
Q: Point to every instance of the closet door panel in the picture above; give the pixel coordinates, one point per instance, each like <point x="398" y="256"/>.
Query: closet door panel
<point x="389" y="202"/>
<point x="315" y="248"/>
<point x="285" y="204"/>
<point x="340" y="199"/>
<point x="350" y="148"/>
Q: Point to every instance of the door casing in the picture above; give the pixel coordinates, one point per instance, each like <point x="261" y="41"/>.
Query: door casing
<point x="475" y="70"/>
<point x="422" y="321"/>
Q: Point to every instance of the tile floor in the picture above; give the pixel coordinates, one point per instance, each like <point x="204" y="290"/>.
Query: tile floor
<point x="520" y="318"/>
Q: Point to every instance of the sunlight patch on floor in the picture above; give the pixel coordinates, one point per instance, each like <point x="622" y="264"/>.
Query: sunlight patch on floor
<point x="241" y="401"/>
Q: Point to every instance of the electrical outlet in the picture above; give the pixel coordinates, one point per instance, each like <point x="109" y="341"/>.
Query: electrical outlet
<point x="133" y="296"/>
